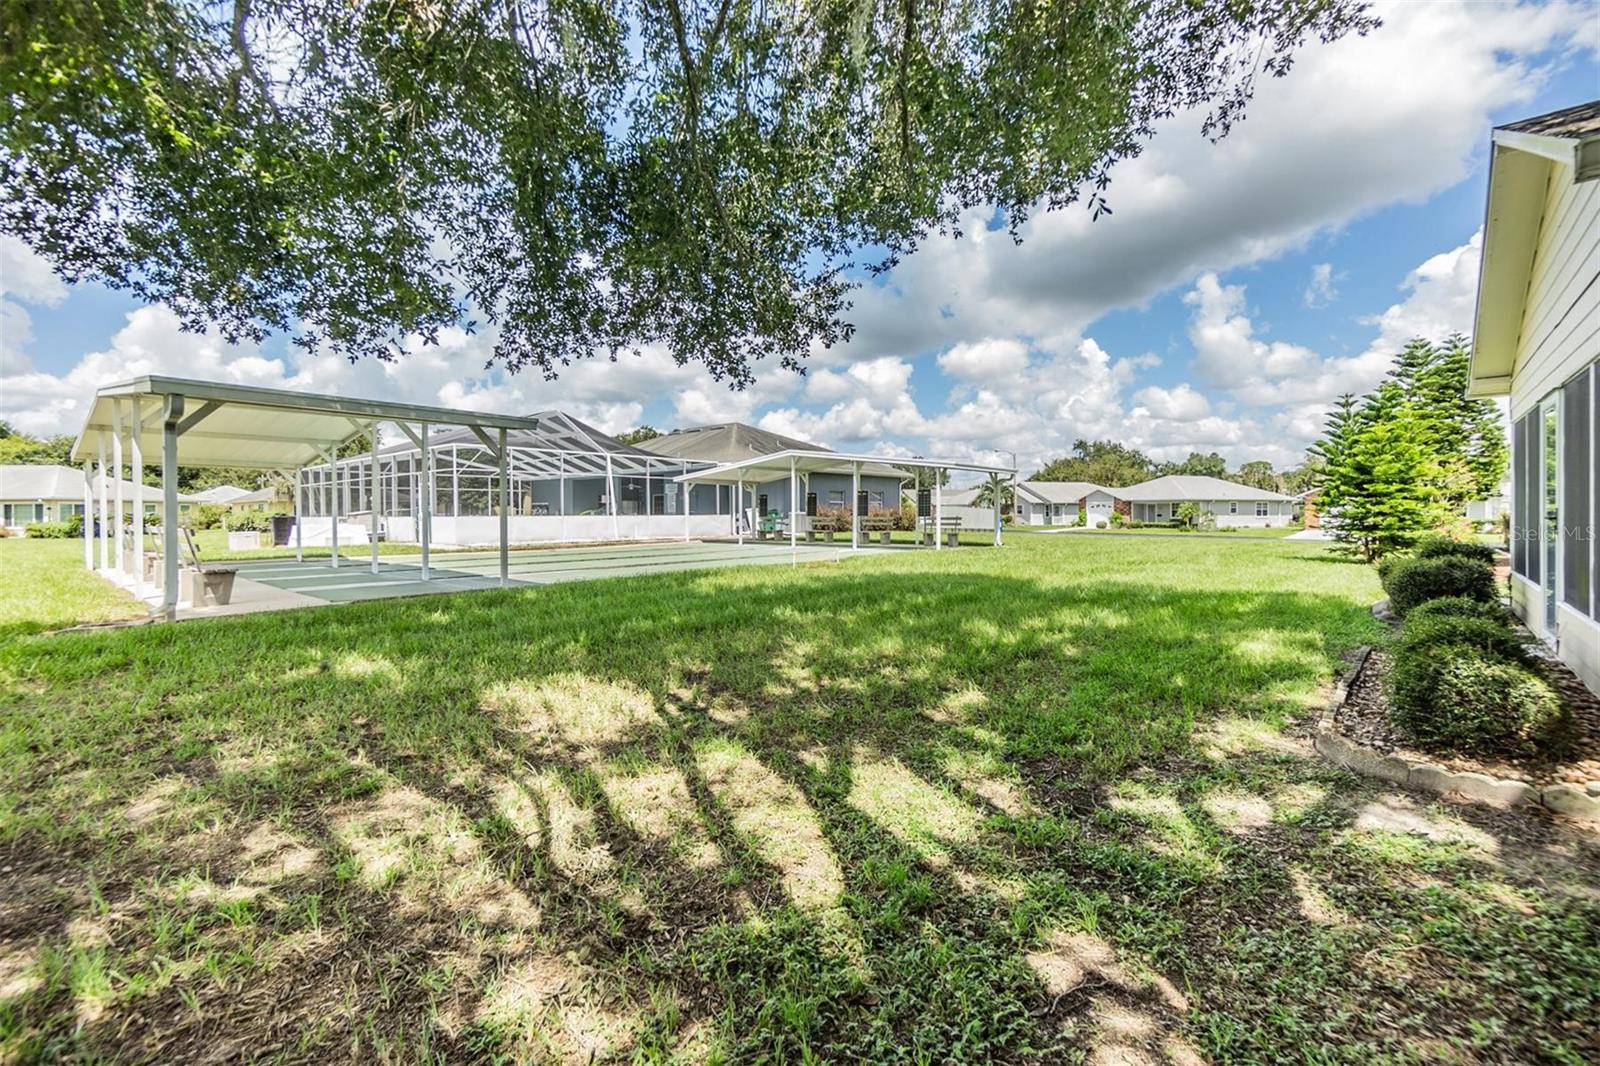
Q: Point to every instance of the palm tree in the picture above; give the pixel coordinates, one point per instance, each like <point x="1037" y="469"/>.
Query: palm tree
<point x="986" y="494"/>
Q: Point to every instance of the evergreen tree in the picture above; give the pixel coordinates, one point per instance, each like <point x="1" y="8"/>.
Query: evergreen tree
<point x="1386" y="488"/>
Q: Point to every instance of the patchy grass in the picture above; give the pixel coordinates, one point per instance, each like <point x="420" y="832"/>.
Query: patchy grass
<point x="1046" y="804"/>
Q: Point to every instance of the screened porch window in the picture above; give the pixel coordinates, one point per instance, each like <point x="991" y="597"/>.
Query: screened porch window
<point x="1577" y="492"/>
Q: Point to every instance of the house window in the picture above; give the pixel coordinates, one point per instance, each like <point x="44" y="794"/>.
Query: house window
<point x="875" y="500"/>
<point x="1577" y="458"/>
<point x="1261" y="508"/>
<point x="836" y="497"/>
<point x="68" y="510"/>
<point x="1233" y="506"/>
<point x="1525" y="496"/>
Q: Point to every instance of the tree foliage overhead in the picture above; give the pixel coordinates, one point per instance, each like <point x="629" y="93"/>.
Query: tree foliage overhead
<point x="587" y="175"/>
<point x="1213" y="465"/>
<point x="1100" y="462"/>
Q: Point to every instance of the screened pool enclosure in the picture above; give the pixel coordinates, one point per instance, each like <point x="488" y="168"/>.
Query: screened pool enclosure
<point x="567" y="481"/>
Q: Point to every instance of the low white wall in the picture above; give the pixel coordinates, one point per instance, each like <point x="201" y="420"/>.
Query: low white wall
<point x="318" y="532"/>
<point x="979" y="517"/>
<point x="484" y="530"/>
<point x="1577" y="638"/>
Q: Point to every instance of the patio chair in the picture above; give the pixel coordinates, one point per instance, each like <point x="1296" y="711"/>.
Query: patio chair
<point x="216" y="582"/>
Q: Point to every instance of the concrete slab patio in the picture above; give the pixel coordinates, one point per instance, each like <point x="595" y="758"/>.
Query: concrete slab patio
<point x="277" y="584"/>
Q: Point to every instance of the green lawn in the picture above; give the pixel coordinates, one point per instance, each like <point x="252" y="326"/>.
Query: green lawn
<point x="1044" y="804"/>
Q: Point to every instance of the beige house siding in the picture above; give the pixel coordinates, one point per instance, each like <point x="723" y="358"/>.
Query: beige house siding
<point x="1561" y="325"/>
<point x="1559" y="337"/>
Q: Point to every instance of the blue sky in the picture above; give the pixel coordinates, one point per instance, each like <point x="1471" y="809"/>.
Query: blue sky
<point x="1235" y="291"/>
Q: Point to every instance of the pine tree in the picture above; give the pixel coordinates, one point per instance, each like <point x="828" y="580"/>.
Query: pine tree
<point x="1385" y="490"/>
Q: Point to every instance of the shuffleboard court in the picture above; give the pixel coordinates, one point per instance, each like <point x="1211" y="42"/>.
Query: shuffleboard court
<point x="400" y="575"/>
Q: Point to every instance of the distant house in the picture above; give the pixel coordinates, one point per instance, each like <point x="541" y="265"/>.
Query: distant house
<point x="1536" y="339"/>
<point x="1310" y="508"/>
<point x="226" y="494"/>
<point x="1060" y="503"/>
<point x="1230" y="503"/>
<point x="41" y="493"/>
<point x="731" y="442"/>
<point x="269" y="499"/>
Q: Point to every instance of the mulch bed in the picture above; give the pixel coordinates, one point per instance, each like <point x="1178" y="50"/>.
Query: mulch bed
<point x="1364" y="718"/>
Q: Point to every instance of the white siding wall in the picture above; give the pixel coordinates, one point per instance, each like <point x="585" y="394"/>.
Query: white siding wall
<point x="1560" y="336"/>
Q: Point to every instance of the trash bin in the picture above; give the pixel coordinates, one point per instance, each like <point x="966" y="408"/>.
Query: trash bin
<point x="282" y="524"/>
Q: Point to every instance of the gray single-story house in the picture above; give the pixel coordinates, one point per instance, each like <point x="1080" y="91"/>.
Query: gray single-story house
<point x="1061" y="503"/>
<point x="1230" y="503"/>
<point x="732" y="442"/>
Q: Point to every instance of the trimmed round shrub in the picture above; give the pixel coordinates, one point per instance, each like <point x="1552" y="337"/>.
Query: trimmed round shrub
<point x="1387" y="564"/>
<point x="1425" y="633"/>
<point x="1458" y="607"/>
<point x="1456" y="697"/>
<point x="1418" y="580"/>
<point x="1445" y="548"/>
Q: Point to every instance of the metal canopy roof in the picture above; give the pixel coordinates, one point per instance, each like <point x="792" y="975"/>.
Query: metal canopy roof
<point x="248" y="426"/>
<point x="773" y="467"/>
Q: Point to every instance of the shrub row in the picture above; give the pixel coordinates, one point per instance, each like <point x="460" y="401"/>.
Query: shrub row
<point x="1463" y="681"/>
<point x="1438" y="568"/>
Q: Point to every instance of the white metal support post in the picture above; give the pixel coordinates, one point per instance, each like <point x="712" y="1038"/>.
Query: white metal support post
<point x="994" y="487"/>
<point x="107" y="530"/>
<point x="794" y="525"/>
<point x="375" y="498"/>
<point x="88" y="514"/>
<point x="299" y="513"/>
<point x="738" y="511"/>
<point x="114" y="528"/>
<point x="169" y="507"/>
<point x="136" y="476"/>
<point x="938" y="513"/>
<point x="505" y="514"/>
<point x="855" y="509"/>
<point x="333" y="525"/>
<point x="611" y="497"/>
<point x="426" y="523"/>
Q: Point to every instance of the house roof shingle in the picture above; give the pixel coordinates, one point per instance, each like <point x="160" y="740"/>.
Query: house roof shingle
<point x="26" y="481"/>
<point x="1196" y="487"/>
<point x="1572" y="123"/>
<point x="731" y="442"/>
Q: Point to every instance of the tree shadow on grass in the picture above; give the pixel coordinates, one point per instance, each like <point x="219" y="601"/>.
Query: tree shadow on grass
<point x="819" y="814"/>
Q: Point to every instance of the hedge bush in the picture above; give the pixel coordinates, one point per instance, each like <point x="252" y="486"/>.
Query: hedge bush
<point x="1417" y="580"/>
<point x="1445" y="548"/>
<point x="1458" y="607"/>
<point x="1423" y="635"/>
<point x="1458" y="697"/>
<point x="248" y="522"/>
<point x="55" y="530"/>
